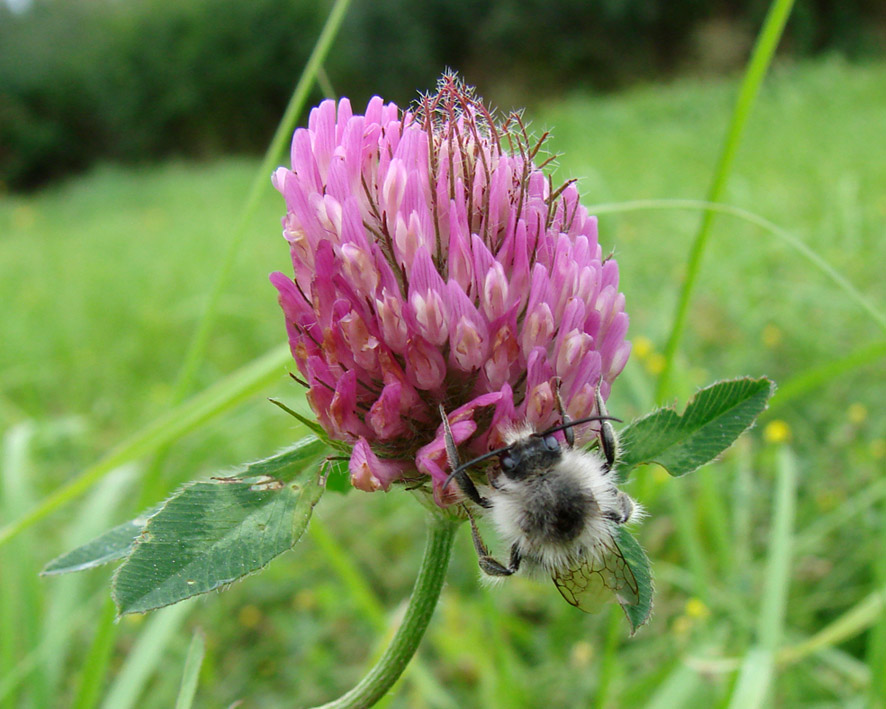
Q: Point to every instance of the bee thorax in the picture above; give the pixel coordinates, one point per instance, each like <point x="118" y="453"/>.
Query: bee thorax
<point x="556" y="510"/>
<point x="560" y="513"/>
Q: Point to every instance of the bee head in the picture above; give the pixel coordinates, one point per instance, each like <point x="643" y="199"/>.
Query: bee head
<point x="534" y="453"/>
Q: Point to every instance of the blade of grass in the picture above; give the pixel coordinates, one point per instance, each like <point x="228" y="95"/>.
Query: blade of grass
<point x="23" y="598"/>
<point x="372" y="609"/>
<point x="742" y="503"/>
<point x="426" y="593"/>
<point x="325" y="84"/>
<point x="95" y="666"/>
<point x="778" y="563"/>
<point x="67" y="610"/>
<point x="812" y="536"/>
<point x="357" y="587"/>
<point x="239" y="386"/>
<point x="505" y="679"/>
<point x="609" y="661"/>
<point x="197" y="347"/>
<point x="755" y="679"/>
<point x="26" y="664"/>
<point x="876" y="645"/>
<point x="152" y="487"/>
<point x="144" y="658"/>
<point x="67" y="596"/>
<point x="9" y="598"/>
<point x="91" y="679"/>
<point x="690" y="540"/>
<point x="847" y="667"/>
<point x="856" y="620"/>
<point x="817" y="377"/>
<point x="761" y="58"/>
<point x="716" y="515"/>
<point x="758" y="65"/>
<point x="678" y="689"/>
<point x="191" y="673"/>
<point x="782" y="234"/>
<point x="742" y="507"/>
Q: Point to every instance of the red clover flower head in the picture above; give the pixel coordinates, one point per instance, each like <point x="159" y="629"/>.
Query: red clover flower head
<point x="434" y="263"/>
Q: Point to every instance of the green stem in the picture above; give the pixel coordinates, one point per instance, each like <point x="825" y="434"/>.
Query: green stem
<point x="764" y="50"/>
<point x="425" y="593"/>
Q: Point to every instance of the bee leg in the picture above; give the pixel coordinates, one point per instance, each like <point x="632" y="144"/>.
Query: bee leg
<point x="464" y="482"/>
<point x="568" y="433"/>
<point x="488" y="563"/>
<point x="625" y="509"/>
<point x="515" y="558"/>
<point x="466" y="485"/>
<point x="608" y="439"/>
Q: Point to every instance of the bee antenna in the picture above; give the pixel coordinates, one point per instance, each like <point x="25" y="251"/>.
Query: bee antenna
<point x="479" y="459"/>
<point x="570" y="424"/>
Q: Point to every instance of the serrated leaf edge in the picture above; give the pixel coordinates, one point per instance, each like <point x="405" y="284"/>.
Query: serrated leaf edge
<point x="624" y="608"/>
<point x="222" y="586"/>
<point x="623" y="472"/>
<point x="140" y="521"/>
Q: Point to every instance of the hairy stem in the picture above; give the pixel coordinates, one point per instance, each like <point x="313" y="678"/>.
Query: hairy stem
<point x="425" y="593"/>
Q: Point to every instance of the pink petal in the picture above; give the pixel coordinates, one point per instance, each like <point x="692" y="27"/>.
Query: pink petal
<point x="371" y="473"/>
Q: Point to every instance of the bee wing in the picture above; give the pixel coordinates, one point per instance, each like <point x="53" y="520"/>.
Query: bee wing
<point x="598" y="578"/>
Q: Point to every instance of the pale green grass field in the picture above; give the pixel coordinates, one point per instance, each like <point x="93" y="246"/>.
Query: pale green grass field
<point x="103" y="279"/>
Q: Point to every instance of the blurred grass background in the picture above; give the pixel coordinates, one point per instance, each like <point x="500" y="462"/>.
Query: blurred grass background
<point x="105" y="276"/>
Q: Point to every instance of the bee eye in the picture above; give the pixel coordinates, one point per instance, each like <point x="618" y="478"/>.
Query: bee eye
<point x="508" y="463"/>
<point x="551" y="443"/>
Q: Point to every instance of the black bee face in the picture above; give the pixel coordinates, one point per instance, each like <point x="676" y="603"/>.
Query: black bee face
<point x="535" y="455"/>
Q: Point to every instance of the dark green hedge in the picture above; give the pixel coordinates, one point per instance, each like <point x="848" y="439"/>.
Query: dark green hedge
<point x="141" y="79"/>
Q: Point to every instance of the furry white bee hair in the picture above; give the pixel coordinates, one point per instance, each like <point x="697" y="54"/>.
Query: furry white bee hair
<point x="557" y="508"/>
